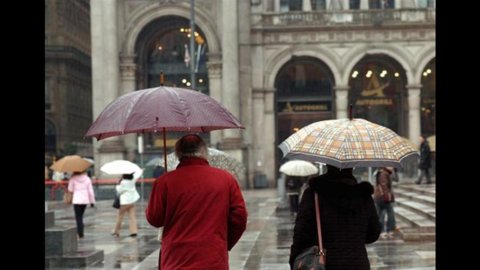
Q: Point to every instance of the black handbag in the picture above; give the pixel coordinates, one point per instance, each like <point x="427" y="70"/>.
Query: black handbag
<point x="312" y="258"/>
<point x="116" y="202"/>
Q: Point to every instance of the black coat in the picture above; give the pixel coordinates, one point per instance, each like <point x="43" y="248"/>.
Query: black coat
<point x="425" y="156"/>
<point x="349" y="221"/>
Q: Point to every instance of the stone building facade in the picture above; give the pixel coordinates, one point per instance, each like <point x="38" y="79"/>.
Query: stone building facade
<point x="275" y="64"/>
<point x="68" y="85"/>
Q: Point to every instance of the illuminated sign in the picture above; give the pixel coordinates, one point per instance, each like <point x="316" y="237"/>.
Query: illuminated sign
<point x="305" y="106"/>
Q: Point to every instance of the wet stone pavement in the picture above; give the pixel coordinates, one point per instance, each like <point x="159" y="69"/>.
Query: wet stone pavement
<point x="264" y="245"/>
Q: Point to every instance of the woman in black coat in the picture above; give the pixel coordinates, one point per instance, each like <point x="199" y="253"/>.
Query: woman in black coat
<point x="348" y="216"/>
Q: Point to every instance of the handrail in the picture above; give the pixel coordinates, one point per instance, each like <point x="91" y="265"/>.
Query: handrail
<point x="50" y="182"/>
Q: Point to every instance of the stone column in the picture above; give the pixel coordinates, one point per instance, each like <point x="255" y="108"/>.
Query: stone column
<point x="306" y="5"/>
<point x="363" y="4"/>
<point x="127" y="71"/>
<point x="259" y="133"/>
<point x="341" y="101"/>
<point x="230" y="72"/>
<point x="105" y="73"/>
<point x="269" y="136"/>
<point x="214" y="67"/>
<point x="414" y="119"/>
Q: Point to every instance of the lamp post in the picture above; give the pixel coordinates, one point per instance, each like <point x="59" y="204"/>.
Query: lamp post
<point x="192" y="43"/>
<point x="140" y="151"/>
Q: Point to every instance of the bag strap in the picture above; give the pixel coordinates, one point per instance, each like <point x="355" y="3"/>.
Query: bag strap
<point x="322" y="251"/>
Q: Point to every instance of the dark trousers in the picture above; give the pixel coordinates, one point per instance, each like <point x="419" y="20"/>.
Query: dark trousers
<point x="427" y="175"/>
<point x="294" y="202"/>
<point x="79" y="210"/>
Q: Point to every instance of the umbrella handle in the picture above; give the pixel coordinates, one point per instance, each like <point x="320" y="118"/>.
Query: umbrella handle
<point x="165" y="149"/>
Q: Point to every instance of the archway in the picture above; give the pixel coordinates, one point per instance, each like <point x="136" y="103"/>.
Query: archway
<point x="163" y="46"/>
<point x="428" y="99"/>
<point x="377" y="92"/>
<point x="304" y="95"/>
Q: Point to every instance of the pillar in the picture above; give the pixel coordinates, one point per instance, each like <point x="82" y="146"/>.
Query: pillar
<point x="127" y="72"/>
<point x="363" y="4"/>
<point x="214" y="67"/>
<point x="414" y="119"/>
<point x="230" y="72"/>
<point x="269" y="136"/>
<point x="258" y="126"/>
<point x="341" y="101"/>
<point x="105" y="74"/>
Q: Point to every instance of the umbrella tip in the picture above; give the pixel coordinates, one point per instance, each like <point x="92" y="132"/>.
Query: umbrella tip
<point x="350" y="111"/>
<point x="162" y="79"/>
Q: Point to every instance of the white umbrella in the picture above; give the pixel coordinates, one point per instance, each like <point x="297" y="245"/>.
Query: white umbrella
<point x="298" y="168"/>
<point x="120" y="167"/>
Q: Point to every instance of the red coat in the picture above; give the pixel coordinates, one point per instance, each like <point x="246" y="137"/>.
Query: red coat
<point x="203" y="214"/>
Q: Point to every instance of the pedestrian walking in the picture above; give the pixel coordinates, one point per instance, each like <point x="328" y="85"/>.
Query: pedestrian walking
<point x="349" y="220"/>
<point x="128" y="193"/>
<point x="158" y="171"/>
<point x="294" y="185"/>
<point x="384" y="199"/>
<point x="201" y="210"/>
<point x="424" y="163"/>
<point x="81" y="186"/>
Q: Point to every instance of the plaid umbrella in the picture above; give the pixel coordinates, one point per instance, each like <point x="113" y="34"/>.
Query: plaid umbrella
<point x="346" y="143"/>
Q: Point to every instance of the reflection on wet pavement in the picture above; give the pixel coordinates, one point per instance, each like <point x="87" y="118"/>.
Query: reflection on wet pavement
<point x="264" y="245"/>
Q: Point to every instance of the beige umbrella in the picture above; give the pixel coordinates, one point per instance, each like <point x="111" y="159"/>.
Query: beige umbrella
<point x="410" y="142"/>
<point x="431" y="143"/>
<point x="73" y="163"/>
<point x="348" y="143"/>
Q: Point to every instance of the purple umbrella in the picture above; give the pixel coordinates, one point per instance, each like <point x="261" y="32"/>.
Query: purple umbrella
<point x="162" y="109"/>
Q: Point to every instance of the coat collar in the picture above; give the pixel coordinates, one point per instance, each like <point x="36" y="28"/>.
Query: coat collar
<point x="189" y="161"/>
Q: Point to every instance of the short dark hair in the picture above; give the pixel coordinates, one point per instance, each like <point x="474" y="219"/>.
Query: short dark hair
<point x="128" y="176"/>
<point x="190" y="145"/>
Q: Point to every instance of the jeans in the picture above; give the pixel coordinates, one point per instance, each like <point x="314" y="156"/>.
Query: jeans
<point x="386" y="208"/>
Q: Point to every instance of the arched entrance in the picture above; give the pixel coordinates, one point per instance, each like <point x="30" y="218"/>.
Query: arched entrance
<point x="163" y="46"/>
<point x="304" y="93"/>
<point x="428" y="99"/>
<point x="377" y="92"/>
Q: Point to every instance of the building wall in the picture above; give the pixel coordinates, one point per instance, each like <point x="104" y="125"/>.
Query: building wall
<point x="68" y="74"/>
<point x="262" y="40"/>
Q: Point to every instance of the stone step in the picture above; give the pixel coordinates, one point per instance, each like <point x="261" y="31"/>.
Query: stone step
<point x="422" y="209"/>
<point x="421" y="189"/>
<point x="73" y="260"/>
<point x="412" y="234"/>
<point x="60" y="240"/>
<point x="49" y="219"/>
<point x="416" y="197"/>
<point x="414" y="220"/>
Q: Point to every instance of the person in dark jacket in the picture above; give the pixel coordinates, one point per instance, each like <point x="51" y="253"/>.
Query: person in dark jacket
<point x="424" y="163"/>
<point x="348" y="217"/>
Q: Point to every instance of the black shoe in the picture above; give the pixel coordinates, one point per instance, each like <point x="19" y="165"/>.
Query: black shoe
<point x="417" y="182"/>
<point x="133" y="235"/>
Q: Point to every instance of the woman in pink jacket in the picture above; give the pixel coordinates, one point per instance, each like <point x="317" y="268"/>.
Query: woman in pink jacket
<point x="81" y="186"/>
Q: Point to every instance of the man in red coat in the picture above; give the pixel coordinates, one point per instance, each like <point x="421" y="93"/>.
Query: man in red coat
<point x="201" y="209"/>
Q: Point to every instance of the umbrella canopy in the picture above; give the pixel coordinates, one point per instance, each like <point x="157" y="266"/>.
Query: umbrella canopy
<point x="431" y="142"/>
<point x="216" y="158"/>
<point x="348" y="143"/>
<point x="162" y="108"/>
<point x="120" y="167"/>
<point x="298" y="168"/>
<point x="72" y="163"/>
